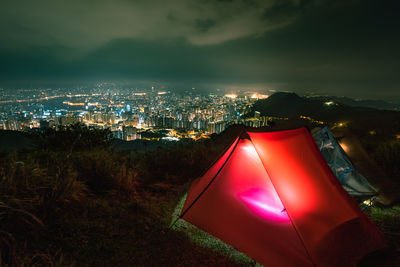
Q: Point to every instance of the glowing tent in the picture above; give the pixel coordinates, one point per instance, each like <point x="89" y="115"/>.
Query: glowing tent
<point x="351" y="180"/>
<point x="273" y="197"/>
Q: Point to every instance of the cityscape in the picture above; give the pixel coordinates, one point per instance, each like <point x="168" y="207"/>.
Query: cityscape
<point x="200" y="133"/>
<point x="130" y="114"/>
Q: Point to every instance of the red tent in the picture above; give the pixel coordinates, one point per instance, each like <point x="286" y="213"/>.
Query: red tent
<point x="273" y="197"/>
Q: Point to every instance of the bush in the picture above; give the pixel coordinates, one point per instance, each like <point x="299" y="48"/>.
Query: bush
<point x="387" y="155"/>
<point x="33" y="198"/>
<point x="388" y="221"/>
<point x="74" y="199"/>
<point x="75" y="137"/>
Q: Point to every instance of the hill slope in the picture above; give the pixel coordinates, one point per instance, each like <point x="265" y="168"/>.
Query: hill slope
<point x="377" y="104"/>
<point x="291" y="105"/>
<point x="384" y="123"/>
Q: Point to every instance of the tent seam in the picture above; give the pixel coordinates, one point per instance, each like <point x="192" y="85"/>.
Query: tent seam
<point x="287" y="212"/>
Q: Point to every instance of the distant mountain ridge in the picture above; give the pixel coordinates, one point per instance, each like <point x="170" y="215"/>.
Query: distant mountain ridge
<point x="377" y="104"/>
<point x="361" y="119"/>
<point x="292" y="105"/>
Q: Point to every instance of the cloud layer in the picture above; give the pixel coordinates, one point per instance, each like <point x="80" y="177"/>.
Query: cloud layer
<point x="344" y="47"/>
<point x="87" y="24"/>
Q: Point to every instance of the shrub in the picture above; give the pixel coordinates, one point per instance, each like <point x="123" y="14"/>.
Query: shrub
<point x="75" y="137"/>
<point x="387" y="155"/>
<point x="33" y="199"/>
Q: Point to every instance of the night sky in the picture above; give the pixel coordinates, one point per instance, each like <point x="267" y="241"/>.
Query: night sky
<point x="336" y="47"/>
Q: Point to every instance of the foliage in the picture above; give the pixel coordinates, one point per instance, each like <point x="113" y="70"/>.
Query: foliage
<point x="79" y="202"/>
<point x="74" y="200"/>
<point x="387" y="155"/>
<point x="75" y="137"/>
<point x="388" y="221"/>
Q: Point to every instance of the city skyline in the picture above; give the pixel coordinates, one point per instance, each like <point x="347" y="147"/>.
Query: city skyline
<point x="326" y="47"/>
<point x="129" y="114"/>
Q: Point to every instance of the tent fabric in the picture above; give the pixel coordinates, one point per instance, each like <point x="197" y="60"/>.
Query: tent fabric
<point x="275" y="199"/>
<point x="201" y="183"/>
<point x="351" y="180"/>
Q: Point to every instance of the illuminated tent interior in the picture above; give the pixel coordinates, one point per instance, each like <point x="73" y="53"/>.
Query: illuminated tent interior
<point x="352" y="181"/>
<point x="273" y="197"/>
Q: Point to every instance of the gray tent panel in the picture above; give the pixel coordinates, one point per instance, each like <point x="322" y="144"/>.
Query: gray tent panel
<point x="351" y="180"/>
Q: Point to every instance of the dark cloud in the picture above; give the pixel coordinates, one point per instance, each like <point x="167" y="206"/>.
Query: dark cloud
<point x="326" y="46"/>
<point x="204" y="25"/>
<point x="87" y="24"/>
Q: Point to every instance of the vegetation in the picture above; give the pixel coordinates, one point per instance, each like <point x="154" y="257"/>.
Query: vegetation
<point x="74" y="137"/>
<point x="388" y="221"/>
<point x="74" y="201"/>
<point x="387" y="155"/>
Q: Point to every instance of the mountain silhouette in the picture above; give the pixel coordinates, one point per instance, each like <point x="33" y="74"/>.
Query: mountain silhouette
<point x="292" y="105"/>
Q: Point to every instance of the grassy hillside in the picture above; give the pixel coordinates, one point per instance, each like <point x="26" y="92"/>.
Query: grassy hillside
<point x="75" y="201"/>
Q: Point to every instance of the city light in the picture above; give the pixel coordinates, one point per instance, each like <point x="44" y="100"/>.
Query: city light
<point x="232" y="96"/>
<point x="73" y="104"/>
<point x="340" y="124"/>
<point x="146" y="114"/>
<point x="311" y="119"/>
<point x="169" y="138"/>
<point x="259" y="96"/>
